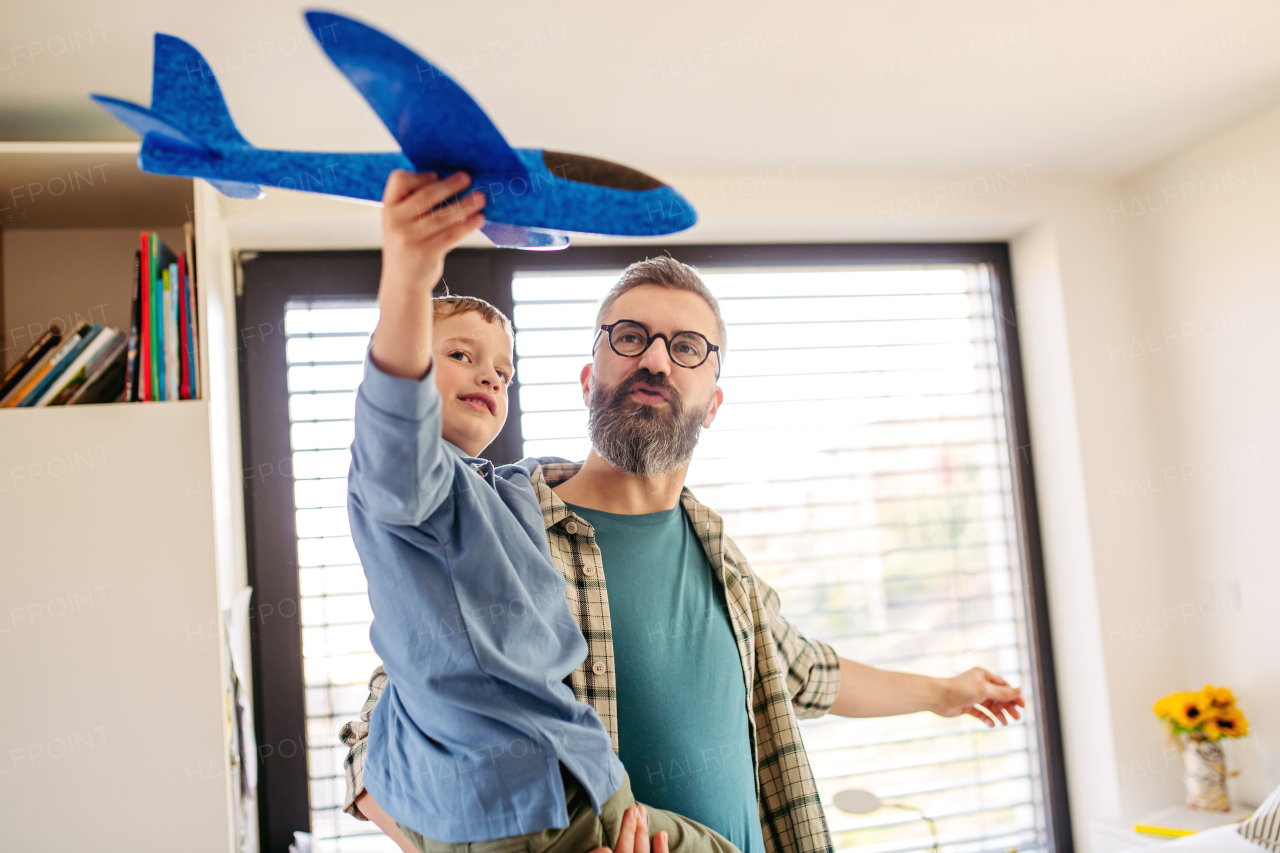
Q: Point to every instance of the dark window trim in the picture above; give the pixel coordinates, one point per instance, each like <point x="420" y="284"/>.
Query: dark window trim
<point x="271" y="279"/>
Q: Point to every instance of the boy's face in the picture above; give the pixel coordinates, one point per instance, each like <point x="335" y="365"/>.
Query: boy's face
<point x="473" y="359"/>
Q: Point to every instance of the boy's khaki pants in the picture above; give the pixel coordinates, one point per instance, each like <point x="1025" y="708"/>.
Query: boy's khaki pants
<point x="587" y="830"/>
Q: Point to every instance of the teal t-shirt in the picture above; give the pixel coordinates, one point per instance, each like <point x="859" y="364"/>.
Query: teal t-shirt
<point x="683" y="733"/>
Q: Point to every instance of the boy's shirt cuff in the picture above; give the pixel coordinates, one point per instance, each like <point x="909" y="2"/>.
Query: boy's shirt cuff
<point x="411" y="399"/>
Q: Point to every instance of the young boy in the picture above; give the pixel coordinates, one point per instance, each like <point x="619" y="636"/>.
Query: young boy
<point x="476" y="742"/>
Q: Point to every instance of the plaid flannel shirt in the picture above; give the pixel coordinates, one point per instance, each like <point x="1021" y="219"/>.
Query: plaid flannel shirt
<point x="788" y="676"/>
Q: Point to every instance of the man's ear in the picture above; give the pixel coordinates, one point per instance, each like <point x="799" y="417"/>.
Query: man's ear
<point x="585" y="378"/>
<point x="716" y="399"/>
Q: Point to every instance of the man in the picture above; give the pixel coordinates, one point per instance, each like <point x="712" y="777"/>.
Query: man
<point x="692" y="668"/>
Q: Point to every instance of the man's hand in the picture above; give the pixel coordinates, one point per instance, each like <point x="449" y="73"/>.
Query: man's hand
<point x="369" y="807"/>
<point x="633" y="837"/>
<point x="418" y="230"/>
<point x="982" y="695"/>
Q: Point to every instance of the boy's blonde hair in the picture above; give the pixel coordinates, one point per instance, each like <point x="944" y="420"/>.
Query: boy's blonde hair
<point x="450" y="306"/>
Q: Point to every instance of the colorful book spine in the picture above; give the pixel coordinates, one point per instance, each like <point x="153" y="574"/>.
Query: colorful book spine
<point x="193" y="309"/>
<point x="172" y="370"/>
<point x="184" y="323"/>
<point x="135" y="332"/>
<point x="36" y="384"/>
<point x="157" y="321"/>
<point x="107" y="385"/>
<point x="111" y="357"/>
<point x="32" y="357"/>
<point x="19" y="391"/>
<point x="144" y="342"/>
<point x="75" y="373"/>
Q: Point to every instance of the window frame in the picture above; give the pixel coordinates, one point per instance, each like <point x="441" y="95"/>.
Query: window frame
<point x="269" y="280"/>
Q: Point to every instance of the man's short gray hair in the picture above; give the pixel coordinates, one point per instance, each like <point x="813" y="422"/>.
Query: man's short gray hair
<point x="665" y="271"/>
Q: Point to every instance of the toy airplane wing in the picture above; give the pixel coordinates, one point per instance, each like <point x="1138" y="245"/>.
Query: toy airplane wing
<point x="438" y="125"/>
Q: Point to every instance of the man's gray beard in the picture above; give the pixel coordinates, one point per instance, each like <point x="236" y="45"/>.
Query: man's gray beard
<point x="647" y="441"/>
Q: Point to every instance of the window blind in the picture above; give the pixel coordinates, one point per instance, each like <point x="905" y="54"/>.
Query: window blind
<point x="861" y="462"/>
<point x="325" y="346"/>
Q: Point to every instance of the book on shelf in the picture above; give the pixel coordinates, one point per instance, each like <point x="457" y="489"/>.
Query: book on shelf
<point x="143" y="390"/>
<point x="173" y="374"/>
<point x="105" y="385"/>
<point x="52" y="379"/>
<point x="156" y="358"/>
<point x="97" y="356"/>
<point x="87" y="367"/>
<point x="29" y="359"/>
<point x="135" y="323"/>
<point x="162" y="352"/>
<point x="48" y="364"/>
<point x="193" y="311"/>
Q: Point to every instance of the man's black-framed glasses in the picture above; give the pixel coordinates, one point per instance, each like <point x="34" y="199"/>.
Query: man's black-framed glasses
<point x="631" y="340"/>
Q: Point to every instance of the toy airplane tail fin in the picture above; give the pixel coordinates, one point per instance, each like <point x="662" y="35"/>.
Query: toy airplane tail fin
<point x="187" y="111"/>
<point x="184" y="90"/>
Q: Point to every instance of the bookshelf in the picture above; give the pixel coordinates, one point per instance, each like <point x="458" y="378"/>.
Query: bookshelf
<point x="116" y="534"/>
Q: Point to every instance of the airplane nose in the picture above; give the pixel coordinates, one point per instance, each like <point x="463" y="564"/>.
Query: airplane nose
<point x="677" y="213"/>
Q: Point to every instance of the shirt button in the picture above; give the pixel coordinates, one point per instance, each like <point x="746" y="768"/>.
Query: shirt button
<point x="598" y="667"/>
<point x="571" y="528"/>
<point x="589" y="570"/>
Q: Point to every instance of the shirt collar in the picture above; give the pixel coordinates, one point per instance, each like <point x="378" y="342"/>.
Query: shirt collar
<point x="550" y="474"/>
<point x="483" y="467"/>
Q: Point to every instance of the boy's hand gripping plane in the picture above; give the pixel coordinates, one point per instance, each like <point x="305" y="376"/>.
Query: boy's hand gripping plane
<point x="535" y="198"/>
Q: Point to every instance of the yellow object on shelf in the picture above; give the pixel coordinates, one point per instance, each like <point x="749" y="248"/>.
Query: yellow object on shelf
<point x="1180" y="821"/>
<point x="1166" y="831"/>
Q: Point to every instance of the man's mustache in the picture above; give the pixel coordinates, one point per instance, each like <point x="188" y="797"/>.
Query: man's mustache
<point x="655" y="380"/>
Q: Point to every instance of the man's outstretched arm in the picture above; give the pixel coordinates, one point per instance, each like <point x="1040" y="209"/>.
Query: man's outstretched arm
<point x="866" y="691"/>
<point x="821" y="682"/>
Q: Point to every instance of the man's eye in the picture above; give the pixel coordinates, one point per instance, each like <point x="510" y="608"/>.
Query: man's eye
<point x="629" y="338"/>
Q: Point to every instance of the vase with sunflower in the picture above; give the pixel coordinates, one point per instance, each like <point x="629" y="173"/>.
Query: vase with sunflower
<point x="1198" y="721"/>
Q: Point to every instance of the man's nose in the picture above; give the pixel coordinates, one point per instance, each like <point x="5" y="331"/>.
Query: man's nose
<point x="656" y="359"/>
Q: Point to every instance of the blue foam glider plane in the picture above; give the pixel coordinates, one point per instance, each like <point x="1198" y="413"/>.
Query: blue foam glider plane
<point x="534" y="197"/>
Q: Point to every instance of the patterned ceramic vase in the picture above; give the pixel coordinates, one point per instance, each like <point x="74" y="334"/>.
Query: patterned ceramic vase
<point x="1206" y="773"/>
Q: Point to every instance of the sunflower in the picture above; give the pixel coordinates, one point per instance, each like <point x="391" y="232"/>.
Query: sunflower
<point x="1230" y="722"/>
<point x="1218" y="697"/>
<point x="1164" y="708"/>
<point x="1189" y="710"/>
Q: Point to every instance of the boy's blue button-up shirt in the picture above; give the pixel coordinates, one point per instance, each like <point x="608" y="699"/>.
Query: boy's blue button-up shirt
<point x="472" y="625"/>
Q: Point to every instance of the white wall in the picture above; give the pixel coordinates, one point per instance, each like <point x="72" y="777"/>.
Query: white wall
<point x="1204" y="227"/>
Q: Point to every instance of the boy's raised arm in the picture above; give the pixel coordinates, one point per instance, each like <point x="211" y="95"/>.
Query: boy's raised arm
<point x="398" y="462"/>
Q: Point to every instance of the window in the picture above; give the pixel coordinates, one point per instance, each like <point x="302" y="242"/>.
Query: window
<point x="897" y="523"/>
<point x="861" y="462"/>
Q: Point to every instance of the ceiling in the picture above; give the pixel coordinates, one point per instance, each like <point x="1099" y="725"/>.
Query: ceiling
<point x="1082" y="87"/>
